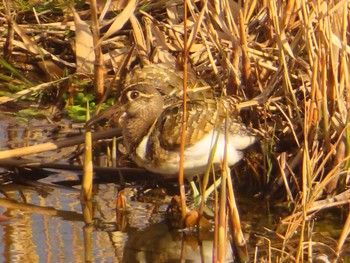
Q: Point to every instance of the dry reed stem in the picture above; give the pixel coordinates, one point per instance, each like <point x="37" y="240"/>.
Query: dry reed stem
<point x="88" y="243"/>
<point x="40" y="210"/>
<point x="98" y="65"/>
<point x="343" y="236"/>
<point x="28" y="91"/>
<point x="51" y="146"/>
<point x="86" y="185"/>
<point x="184" y="118"/>
<point x="222" y="217"/>
<point x="237" y="232"/>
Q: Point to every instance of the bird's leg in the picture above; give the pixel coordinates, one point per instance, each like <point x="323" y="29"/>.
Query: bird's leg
<point x="197" y="197"/>
<point x="195" y="192"/>
<point x="212" y="188"/>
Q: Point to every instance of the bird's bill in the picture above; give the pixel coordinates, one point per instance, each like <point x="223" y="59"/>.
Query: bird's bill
<point x="112" y="112"/>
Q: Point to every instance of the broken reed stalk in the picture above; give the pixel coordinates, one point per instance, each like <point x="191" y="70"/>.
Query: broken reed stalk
<point x="86" y="186"/>
<point x="52" y="146"/>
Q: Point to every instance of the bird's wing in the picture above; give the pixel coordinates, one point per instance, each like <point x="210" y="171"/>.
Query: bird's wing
<point x="201" y="119"/>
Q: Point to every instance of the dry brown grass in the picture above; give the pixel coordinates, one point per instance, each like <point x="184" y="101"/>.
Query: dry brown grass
<point x="290" y="62"/>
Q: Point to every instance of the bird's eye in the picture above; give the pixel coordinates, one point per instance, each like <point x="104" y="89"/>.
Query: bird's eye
<point x="133" y="95"/>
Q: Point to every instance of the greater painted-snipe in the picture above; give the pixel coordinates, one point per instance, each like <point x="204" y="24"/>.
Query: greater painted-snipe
<point x="150" y="114"/>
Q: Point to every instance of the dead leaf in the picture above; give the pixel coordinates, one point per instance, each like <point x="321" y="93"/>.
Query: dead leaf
<point x="121" y="19"/>
<point x="85" y="55"/>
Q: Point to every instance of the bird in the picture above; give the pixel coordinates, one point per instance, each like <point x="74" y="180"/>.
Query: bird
<point x="152" y="131"/>
<point x="150" y="109"/>
<point x="168" y="78"/>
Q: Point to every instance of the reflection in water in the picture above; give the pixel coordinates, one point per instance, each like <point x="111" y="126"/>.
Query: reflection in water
<point x="39" y="228"/>
<point x="15" y="134"/>
<point x="157" y="243"/>
<point x="47" y="225"/>
<point x="46" y="229"/>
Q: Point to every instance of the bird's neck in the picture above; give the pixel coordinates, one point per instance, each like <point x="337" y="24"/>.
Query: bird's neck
<point x="135" y="128"/>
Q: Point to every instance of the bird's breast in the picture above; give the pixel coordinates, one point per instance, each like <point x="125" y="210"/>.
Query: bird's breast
<point x="196" y="157"/>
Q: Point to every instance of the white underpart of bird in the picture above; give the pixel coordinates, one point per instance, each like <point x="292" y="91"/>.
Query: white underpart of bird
<point x="196" y="157"/>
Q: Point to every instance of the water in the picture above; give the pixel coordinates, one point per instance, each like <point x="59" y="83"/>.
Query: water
<point x="41" y="220"/>
<point x="46" y="225"/>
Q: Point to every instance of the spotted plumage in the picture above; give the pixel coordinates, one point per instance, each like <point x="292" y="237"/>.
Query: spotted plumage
<point x="152" y="131"/>
<point x="149" y="111"/>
